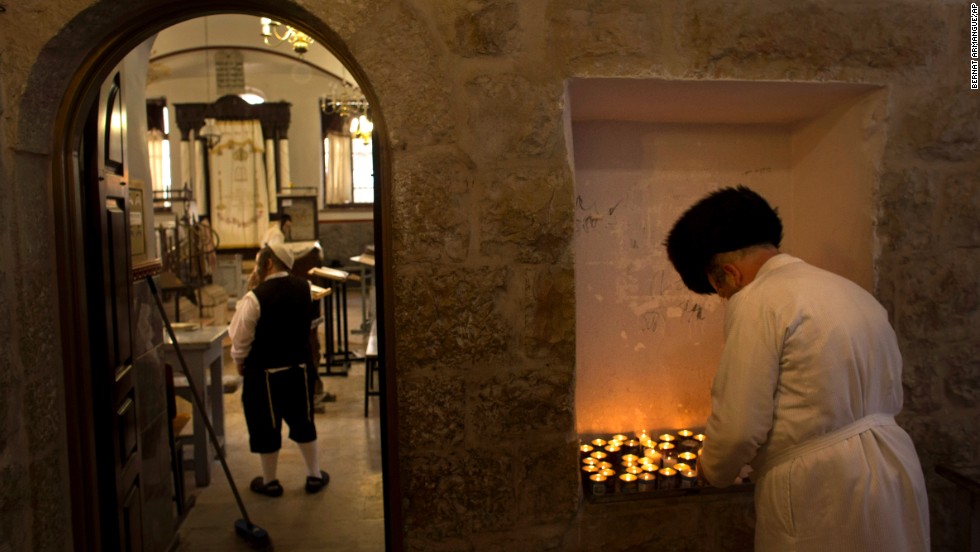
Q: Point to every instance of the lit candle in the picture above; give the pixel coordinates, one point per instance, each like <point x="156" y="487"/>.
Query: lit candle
<point x="586" y="450"/>
<point x="653" y="454"/>
<point x="608" y="472"/>
<point x="687" y="457"/>
<point x="589" y="461"/>
<point x="651" y="467"/>
<point x="667" y="438"/>
<point x="646" y="482"/>
<point x="680" y="467"/>
<point x="685" y="434"/>
<point x="598" y="455"/>
<point x="620" y="437"/>
<point x="628" y="483"/>
<point x="635" y="470"/>
<point x="689" y="479"/>
<point x="630" y="459"/>
<point x="632" y="447"/>
<point x="598" y="485"/>
<point x="614" y="454"/>
<point x="587" y="471"/>
<point x="669" y="454"/>
<point x="699" y="438"/>
<point x="604" y="465"/>
<point x="598" y="443"/>
<point x="642" y="435"/>
<point x="667" y="478"/>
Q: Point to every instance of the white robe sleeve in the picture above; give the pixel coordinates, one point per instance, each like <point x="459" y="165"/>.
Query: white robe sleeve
<point x="742" y="395"/>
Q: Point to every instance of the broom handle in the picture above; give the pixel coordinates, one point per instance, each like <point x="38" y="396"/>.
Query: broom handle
<point x="197" y="400"/>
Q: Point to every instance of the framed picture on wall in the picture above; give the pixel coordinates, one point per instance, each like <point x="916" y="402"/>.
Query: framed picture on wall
<point x="301" y="208"/>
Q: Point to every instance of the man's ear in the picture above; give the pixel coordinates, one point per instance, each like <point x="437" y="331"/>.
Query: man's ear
<point x="733" y="271"/>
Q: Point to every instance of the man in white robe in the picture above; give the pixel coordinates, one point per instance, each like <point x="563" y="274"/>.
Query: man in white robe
<point x="809" y="382"/>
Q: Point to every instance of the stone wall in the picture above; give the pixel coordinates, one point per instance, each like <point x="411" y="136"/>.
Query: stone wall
<point x="471" y="97"/>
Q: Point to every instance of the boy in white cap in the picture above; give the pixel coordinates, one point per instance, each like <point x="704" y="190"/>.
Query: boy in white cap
<point x="809" y="382"/>
<point x="270" y="345"/>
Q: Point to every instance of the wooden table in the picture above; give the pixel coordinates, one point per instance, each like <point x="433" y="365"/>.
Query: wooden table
<point x="202" y="350"/>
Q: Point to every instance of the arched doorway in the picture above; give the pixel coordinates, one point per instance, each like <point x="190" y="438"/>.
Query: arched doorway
<point x="120" y="33"/>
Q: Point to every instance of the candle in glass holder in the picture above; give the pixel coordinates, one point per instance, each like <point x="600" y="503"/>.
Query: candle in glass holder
<point x="608" y="472"/>
<point x="632" y="447"/>
<point x="685" y="434"/>
<point x="699" y="438"/>
<point x="604" y="465"/>
<point x="646" y="482"/>
<point x="653" y="454"/>
<point x="587" y="471"/>
<point x="669" y="455"/>
<point x="614" y="453"/>
<point x="598" y="455"/>
<point x="667" y="478"/>
<point x="586" y="450"/>
<point x="598" y="443"/>
<point x="681" y="466"/>
<point x="628" y="483"/>
<point x="689" y="478"/>
<point x="651" y="467"/>
<point x="630" y="459"/>
<point x="688" y="445"/>
<point x="589" y="461"/>
<point x="620" y="437"/>
<point x="687" y="457"/>
<point x="635" y="470"/>
<point x="667" y="438"/>
<point x="598" y="484"/>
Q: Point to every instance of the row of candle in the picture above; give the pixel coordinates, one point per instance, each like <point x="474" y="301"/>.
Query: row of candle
<point x="640" y="464"/>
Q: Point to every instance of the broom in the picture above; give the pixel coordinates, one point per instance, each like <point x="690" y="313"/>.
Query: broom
<point x="256" y="536"/>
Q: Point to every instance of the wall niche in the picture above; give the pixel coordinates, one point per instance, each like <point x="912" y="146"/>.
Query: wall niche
<point x="645" y="150"/>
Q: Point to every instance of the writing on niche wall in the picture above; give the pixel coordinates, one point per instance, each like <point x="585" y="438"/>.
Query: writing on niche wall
<point x="646" y="347"/>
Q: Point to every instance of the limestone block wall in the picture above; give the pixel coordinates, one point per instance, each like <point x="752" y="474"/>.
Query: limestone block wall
<point x="472" y="100"/>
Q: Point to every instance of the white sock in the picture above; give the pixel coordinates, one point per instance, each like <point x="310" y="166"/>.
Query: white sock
<point x="309" y="452"/>
<point x="269" y="462"/>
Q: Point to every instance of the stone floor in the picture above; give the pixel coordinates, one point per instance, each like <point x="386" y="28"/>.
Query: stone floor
<point x="348" y="515"/>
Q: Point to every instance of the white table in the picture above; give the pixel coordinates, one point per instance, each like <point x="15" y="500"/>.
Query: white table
<point x="201" y="349"/>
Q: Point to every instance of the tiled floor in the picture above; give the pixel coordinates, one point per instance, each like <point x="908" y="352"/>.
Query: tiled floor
<point x="347" y="516"/>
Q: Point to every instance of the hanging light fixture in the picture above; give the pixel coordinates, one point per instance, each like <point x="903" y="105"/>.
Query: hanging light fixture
<point x="275" y="33"/>
<point x="361" y="127"/>
<point x="346" y="101"/>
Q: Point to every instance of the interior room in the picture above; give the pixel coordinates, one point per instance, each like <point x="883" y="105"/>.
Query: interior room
<point x="479" y="194"/>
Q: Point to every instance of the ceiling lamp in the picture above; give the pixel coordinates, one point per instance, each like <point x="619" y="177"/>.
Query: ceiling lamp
<point x="345" y="100"/>
<point x="275" y="33"/>
<point x="361" y="127"/>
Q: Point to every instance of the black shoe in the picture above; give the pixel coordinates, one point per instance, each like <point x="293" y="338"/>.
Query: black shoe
<point x="272" y="488"/>
<point x="316" y="484"/>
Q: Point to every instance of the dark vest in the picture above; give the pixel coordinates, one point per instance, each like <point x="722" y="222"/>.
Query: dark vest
<point x="282" y="334"/>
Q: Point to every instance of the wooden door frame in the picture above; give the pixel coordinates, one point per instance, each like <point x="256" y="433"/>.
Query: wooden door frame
<point x="120" y="35"/>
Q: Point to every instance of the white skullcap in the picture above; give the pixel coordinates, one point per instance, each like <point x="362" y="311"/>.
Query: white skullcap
<point x="283" y="254"/>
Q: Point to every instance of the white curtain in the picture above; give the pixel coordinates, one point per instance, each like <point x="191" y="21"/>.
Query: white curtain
<point x="239" y="193"/>
<point x="339" y="185"/>
<point x="154" y="147"/>
<point x="270" y="174"/>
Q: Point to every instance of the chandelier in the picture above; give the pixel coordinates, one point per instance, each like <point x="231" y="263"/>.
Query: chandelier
<point x="346" y="101"/>
<point x="275" y="33"/>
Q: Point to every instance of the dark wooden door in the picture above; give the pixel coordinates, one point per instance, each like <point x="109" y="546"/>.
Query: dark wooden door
<point x="110" y="301"/>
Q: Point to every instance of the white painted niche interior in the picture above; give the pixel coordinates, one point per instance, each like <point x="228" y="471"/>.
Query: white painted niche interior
<point x="644" y="151"/>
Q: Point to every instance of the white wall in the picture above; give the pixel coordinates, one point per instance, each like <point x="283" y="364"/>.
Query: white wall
<point x="646" y="347"/>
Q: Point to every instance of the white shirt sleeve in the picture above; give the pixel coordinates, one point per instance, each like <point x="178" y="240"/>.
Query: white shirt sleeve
<point x="242" y="327"/>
